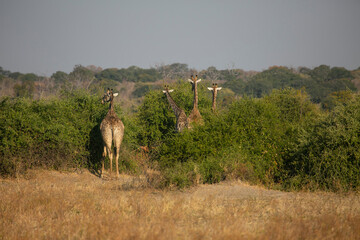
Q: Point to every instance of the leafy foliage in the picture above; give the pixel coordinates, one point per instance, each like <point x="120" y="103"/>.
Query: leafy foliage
<point x="60" y="77"/>
<point x="251" y="132"/>
<point x="131" y="74"/>
<point x="56" y="133"/>
<point x="25" y="89"/>
<point x="157" y="117"/>
<point x="141" y="90"/>
<point x="37" y="133"/>
<point x="272" y="140"/>
<point x="327" y="156"/>
<point x="275" y="134"/>
<point x="273" y="78"/>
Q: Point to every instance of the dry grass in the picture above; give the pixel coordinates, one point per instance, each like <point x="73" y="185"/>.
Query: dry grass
<point x="54" y="205"/>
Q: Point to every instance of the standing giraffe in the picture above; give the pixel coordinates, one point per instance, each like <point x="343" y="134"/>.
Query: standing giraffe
<point x="195" y="116"/>
<point x="112" y="130"/>
<point x="214" y="90"/>
<point x="181" y="119"/>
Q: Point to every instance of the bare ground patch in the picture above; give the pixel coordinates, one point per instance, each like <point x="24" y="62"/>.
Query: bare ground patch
<point x="64" y="205"/>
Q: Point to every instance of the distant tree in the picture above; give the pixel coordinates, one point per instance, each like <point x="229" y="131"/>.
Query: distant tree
<point x="45" y="86"/>
<point x="339" y="72"/>
<point x="6" y="86"/>
<point x="236" y="85"/>
<point x="94" y="68"/>
<point x="29" y="77"/>
<point x="110" y="73"/>
<point x="4" y="72"/>
<point x="273" y="78"/>
<point x="304" y="70"/>
<point x="136" y="74"/>
<point x="81" y="77"/>
<point x="25" y="89"/>
<point x="212" y="74"/>
<point x="179" y="69"/>
<point x="258" y="88"/>
<point x="99" y="86"/>
<point x="320" y="73"/>
<point x="15" y="75"/>
<point x="141" y="90"/>
<point x="232" y="74"/>
<point x="131" y="74"/>
<point x="149" y="75"/>
<point x="173" y="71"/>
<point x="60" y="77"/>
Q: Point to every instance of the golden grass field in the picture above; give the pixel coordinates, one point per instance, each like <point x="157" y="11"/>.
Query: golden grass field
<point x="67" y="205"/>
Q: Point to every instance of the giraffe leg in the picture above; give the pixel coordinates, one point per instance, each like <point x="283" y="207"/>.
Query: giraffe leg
<point x="117" y="162"/>
<point x="103" y="161"/>
<point x="110" y="158"/>
<point x="107" y="139"/>
<point x="117" y="143"/>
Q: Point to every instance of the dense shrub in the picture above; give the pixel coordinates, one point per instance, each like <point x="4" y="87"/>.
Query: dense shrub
<point x="249" y="138"/>
<point x="281" y="140"/>
<point x="328" y="154"/>
<point x="156" y="118"/>
<point x="51" y="133"/>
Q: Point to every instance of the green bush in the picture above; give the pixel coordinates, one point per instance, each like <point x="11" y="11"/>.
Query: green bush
<point x="52" y="133"/>
<point x="251" y="137"/>
<point x="156" y="118"/>
<point x="327" y="156"/>
<point x="281" y="139"/>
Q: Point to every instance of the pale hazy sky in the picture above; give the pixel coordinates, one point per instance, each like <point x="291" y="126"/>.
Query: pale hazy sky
<point x="44" y="36"/>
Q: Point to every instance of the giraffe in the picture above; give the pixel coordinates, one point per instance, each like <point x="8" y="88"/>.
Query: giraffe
<point x="181" y="119"/>
<point x="112" y="130"/>
<point x="195" y="116"/>
<point x="214" y="90"/>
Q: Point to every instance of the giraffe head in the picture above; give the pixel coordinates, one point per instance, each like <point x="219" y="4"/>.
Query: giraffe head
<point x="108" y="96"/>
<point x="214" y="87"/>
<point x="166" y="89"/>
<point x="194" y="79"/>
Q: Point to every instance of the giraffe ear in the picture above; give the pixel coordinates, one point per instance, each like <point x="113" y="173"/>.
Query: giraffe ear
<point x="171" y="90"/>
<point x="210" y="88"/>
<point x="115" y="94"/>
<point x="199" y="80"/>
<point x="164" y="91"/>
<point x="191" y="81"/>
<point x="219" y="88"/>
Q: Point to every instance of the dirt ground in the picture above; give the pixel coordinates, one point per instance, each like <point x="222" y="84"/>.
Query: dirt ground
<point x="80" y="205"/>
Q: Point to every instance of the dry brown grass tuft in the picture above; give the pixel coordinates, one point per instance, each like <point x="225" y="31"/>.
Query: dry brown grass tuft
<point x="54" y="205"/>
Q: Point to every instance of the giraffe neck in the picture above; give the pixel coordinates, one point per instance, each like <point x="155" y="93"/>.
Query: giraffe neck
<point x="195" y="95"/>
<point x="214" y="92"/>
<point x="111" y="107"/>
<point x="175" y="108"/>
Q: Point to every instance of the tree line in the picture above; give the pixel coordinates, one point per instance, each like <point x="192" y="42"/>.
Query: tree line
<point x="320" y="82"/>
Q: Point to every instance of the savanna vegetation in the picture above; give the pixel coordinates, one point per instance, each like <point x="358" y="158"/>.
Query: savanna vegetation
<point x="284" y="128"/>
<point x="74" y="205"/>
